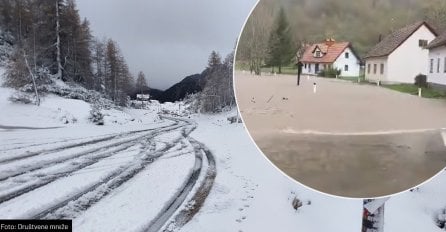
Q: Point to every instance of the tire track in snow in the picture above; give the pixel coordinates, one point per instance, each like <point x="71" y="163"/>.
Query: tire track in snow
<point x="110" y="150"/>
<point x="77" y="203"/>
<point x="86" y="198"/>
<point x="53" y="177"/>
<point x="197" y="200"/>
<point x="45" y="164"/>
<point x="74" y="145"/>
<point x="178" y="199"/>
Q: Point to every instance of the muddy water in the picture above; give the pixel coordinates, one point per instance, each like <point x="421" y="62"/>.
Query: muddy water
<point x="357" y="166"/>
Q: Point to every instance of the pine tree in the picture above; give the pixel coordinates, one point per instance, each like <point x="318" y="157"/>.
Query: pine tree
<point x="218" y="92"/>
<point x="111" y="69"/>
<point x="99" y="65"/>
<point x="214" y="60"/>
<point x="280" y="49"/>
<point x="117" y="79"/>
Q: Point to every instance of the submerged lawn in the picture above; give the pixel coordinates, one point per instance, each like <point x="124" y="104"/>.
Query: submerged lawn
<point x="413" y="89"/>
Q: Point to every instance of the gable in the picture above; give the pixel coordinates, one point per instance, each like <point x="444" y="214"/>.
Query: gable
<point x="395" y="39"/>
<point x="317" y="52"/>
<point x="352" y="54"/>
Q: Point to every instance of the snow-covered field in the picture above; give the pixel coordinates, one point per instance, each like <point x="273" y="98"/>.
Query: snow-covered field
<point x="143" y="172"/>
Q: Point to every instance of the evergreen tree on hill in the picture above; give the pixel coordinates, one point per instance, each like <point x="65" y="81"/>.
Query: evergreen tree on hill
<point x="280" y="48"/>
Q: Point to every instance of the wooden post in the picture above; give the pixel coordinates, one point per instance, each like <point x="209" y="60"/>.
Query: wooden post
<point x="314" y="87"/>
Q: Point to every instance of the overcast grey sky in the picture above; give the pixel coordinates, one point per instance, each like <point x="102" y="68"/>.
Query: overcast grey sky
<point x="167" y="39"/>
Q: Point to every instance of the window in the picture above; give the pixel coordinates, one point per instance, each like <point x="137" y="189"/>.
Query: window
<point x="346" y="68"/>
<point x="431" y="66"/>
<point x="368" y="68"/>
<point x="438" y="65"/>
<point x="305" y="65"/>
<point x="346" y="55"/>
<point x="309" y="67"/>
<point x="374" y="68"/>
<point x="318" y="53"/>
<point x="422" y="43"/>
<point x="381" y="69"/>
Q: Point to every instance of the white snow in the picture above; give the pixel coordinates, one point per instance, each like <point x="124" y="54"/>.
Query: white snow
<point x="53" y="111"/>
<point x="139" y="200"/>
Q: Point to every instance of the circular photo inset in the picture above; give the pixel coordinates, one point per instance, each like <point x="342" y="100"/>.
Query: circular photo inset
<point x="346" y="97"/>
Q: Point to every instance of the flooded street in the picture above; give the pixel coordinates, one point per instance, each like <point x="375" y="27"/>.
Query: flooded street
<point x="346" y="139"/>
<point x="357" y="165"/>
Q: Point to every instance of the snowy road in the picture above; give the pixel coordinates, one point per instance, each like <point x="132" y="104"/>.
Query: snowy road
<point x="150" y="176"/>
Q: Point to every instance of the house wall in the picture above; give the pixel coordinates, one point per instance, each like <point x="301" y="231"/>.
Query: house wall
<point x="352" y="61"/>
<point x="311" y="68"/>
<point x="437" y="76"/>
<point x="372" y="76"/>
<point x="307" y="70"/>
<point x="409" y="59"/>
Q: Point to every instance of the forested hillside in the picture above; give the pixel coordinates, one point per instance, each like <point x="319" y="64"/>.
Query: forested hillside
<point x="51" y="42"/>
<point x="362" y="22"/>
<point x="46" y="47"/>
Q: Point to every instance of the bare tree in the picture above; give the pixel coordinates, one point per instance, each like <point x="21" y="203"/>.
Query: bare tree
<point x="33" y="77"/>
<point x="141" y="82"/>
<point x="253" y="44"/>
<point x="58" y="59"/>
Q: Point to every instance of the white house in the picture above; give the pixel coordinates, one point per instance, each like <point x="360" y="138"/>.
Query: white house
<point x="437" y="60"/>
<point x="142" y="97"/>
<point x="330" y="54"/>
<point x="400" y="56"/>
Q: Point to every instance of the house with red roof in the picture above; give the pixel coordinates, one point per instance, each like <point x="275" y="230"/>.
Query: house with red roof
<point x="401" y="55"/>
<point x="330" y="54"/>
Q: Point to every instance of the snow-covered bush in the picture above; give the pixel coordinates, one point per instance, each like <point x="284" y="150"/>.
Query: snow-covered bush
<point x="441" y="219"/>
<point x="193" y="103"/>
<point x="77" y="92"/>
<point x="234" y="119"/>
<point x="96" y="116"/>
<point x="21" y="97"/>
<point x="68" y="118"/>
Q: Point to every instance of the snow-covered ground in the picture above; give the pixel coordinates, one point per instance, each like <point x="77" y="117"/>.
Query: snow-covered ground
<point x="250" y="194"/>
<point x="140" y="171"/>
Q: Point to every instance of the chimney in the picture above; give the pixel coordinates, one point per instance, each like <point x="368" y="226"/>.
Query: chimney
<point x="329" y="42"/>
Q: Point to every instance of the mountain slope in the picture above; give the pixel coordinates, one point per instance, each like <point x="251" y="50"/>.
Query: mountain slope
<point x="190" y="84"/>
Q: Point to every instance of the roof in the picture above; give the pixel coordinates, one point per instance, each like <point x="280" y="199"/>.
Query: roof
<point x="394" y="40"/>
<point x="331" y="53"/>
<point x="437" y="42"/>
